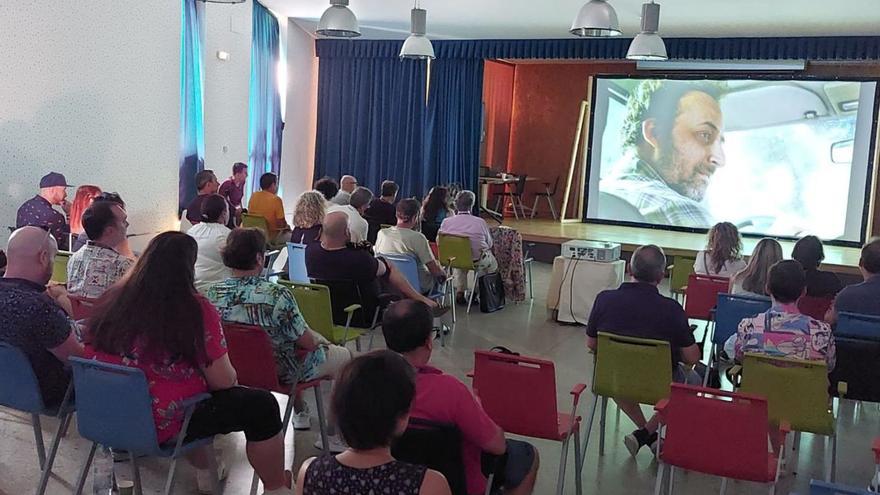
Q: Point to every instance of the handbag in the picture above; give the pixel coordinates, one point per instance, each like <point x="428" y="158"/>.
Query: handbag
<point x="491" y="293"/>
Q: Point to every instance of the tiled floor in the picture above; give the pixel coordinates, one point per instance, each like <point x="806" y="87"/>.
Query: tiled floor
<point x="525" y="328"/>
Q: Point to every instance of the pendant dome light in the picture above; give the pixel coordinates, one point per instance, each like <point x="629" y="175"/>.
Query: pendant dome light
<point x="338" y="21"/>
<point x="417" y="46"/>
<point x="648" y="45"/>
<point x="596" y="19"/>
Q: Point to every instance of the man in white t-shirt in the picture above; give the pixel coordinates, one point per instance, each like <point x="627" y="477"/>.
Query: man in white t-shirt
<point x="347" y="185"/>
<point x="402" y="239"/>
<point x="357" y="225"/>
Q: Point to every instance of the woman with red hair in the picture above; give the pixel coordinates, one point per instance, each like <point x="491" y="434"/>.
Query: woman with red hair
<point x="83" y="199"/>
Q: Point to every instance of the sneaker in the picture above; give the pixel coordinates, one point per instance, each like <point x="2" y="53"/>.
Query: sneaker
<point x="337" y="445"/>
<point x="635" y="440"/>
<point x="302" y="420"/>
<point x="204" y="477"/>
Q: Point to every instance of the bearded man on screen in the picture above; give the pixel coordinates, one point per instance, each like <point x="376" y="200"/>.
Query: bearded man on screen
<point x="673" y="137"/>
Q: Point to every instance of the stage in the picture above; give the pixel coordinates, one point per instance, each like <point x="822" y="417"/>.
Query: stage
<point x="837" y="259"/>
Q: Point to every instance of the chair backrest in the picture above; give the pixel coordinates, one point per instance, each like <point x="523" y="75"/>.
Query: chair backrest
<point x="344" y="293"/>
<point x="555" y="187"/>
<point x="815" y="307"/>
<point x="796" y="391"/>
<point x="731" y="309"/>
<point x="696" y="417"/>
<point x="251" y="354"/>
<point x="856" y="365"/>
<point x="634" y="369"/>
<point x="702" y="293"/>
<point x="518" y="393"/>
<point x="458" y="247"/>
<point x="436" y="446"/>
<point x="114" y="406"/>
<point x="82" y="306"/>
<point x="59" y="268"/>
<point x="520" y="187"/>
<point x="857" y="325"/>
<point x="19" y="388"/>
<point x="185" y="224"/>
<point x="818" y="487"/>
<point x="681" y="270"/>
<point x="314" y="303"/>
<point x="256" y="221"/>
<point x="296" y="263"/>
<point x="408" y="266"/>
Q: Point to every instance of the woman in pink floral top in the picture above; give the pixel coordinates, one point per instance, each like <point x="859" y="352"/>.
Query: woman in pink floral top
<point x="156" y="321"/>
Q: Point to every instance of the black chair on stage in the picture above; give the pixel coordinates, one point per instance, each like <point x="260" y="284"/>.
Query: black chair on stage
<point x="549" y="195"/>
<point x="515" y="197"/>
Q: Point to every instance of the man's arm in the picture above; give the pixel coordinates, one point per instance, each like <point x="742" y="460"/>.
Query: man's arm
<point x="70" y="347"/>
<point x="690" y="355"/>
<point x="399" y="282"/>
<point x="435" y="269"/>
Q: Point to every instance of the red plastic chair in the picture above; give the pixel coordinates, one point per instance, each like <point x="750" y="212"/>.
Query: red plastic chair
<point x="82" y="307"/>
<point x="250" y="351"/>
<point x="815" y="307"/>
<point x="519" y="394"/>
<point x="702" y="293"/>
<point x="717" y="433"/>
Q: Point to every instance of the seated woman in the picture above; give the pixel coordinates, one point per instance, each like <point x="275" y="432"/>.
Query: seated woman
<point x="371" y="403"/>
<point x="210" y="234"/>
<point x="435" y="208"/>
<point x="810" y="253"/>
<point x="300" y="353"/>
<point x="722" y="256"/>
<point x="83" y="198"/>
<point x="308" y="215"/>
<point x="156" y="321"/>
<point x="752" y="280"/>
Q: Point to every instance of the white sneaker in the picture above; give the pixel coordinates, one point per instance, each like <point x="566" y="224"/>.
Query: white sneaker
<point x="337" y="445"/>
<point x="302" y="420"/>
<point x="205" y="480"/>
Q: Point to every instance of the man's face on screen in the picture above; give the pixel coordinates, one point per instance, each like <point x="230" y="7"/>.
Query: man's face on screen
<point x="695" y="151"/>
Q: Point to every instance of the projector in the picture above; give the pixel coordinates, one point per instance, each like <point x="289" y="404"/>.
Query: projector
<point x="591" y="250"/>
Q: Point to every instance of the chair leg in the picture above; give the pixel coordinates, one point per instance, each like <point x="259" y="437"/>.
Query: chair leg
<point x="498" y="205"/>
<point x="578" y="460"/>
<point x="471" y="296"/>
<point x="136" y="471"/>
<point x="560" y="481"/>
<point x="53" y="450"/>
<point x="671" y="480"/>
<point x="552" y="208"/>
<point x="602" y="425"/>
<point x="589" y="425"/>
<point x="513" y="205"/>
<point x="169" y="482"/>
<point x="658" y="485"/>
<point x="81" y="482"/>
<point x="38" y="439"/>
<point x="535" y="206"/>
<point x="322" y="422"/>
<point x="832" y="470"/>
<point x="723" y="486"/>
<point x="357" y="344"/>
<point x="531" y="286"/>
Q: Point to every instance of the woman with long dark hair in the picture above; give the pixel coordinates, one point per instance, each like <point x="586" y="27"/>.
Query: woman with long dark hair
<point x="435" y="208"/>
<point x="723" y="254"/>
<point x="809" y="252"/>
<point x="156" y="321"/>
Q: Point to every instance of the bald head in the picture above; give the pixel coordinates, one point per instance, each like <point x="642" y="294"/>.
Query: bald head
<point x="648" y="264"/>
<point x="335" y="229"/>
<point x="30" y="255"/>
<point x="348" y="183"/>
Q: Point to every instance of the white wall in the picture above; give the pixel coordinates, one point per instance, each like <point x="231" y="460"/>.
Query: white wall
<point x="91" y="89"/>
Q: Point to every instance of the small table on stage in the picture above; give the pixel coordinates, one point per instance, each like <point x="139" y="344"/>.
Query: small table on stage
<point x="485" y="182"/>
<point x="575" y="284"/>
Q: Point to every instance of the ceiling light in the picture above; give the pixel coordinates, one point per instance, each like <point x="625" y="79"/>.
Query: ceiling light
<point x="338" y="21"/>
<point x="596" y="19"/>
<point x="648" y="45"/>
<point x="417" y="46"/>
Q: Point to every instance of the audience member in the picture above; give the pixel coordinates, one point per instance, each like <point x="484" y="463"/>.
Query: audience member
<point x="32" y="319"/>
<point x="435" y="208"/>
<point x="268" y="205"/>
<point x="3" y="262"/>
<point x="371" y="403"/>
<point x="156" y="321"/>
<point x="808" y="251"/>
<point x="467" y="225"/>
<point x="308" y="214"/>
<point x="81" y="240"/>
<point x="354" y="209"/>
<point x="637" y="309"/>
<point x="752" y="280"/>
<point x="862" y="298"/>
<point x="210" y="235"/>
<point x="206" y="185"/>
<point x="402" y="239"/>
<point x="232" y="189"/>
<point x="98" y="265"/>
<point x="407" y="327"/>
<point x="300" y="354"/>
<point x="722" y="256"/>
<point x="83" y="198"/>
<point x="328" y="188"/>
<point x="347" y="185"/>
<point x="38" y="211"/>
<point x="381" y="210"/>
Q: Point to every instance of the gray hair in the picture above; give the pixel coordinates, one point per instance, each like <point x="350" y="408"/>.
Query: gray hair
<point x="648" y="264"/>
<point x="360" y="197"/>
<point x="465" y="201"/>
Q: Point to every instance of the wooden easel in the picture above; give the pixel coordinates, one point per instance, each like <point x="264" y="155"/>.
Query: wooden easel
<point x="580" y="144"/>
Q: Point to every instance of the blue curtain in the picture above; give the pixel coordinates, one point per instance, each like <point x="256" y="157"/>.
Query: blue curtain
<point x="371" y="121"/>
<point x="452" y="148"/>
<point x="264" y="116"/>
<point x="192" y="129"/>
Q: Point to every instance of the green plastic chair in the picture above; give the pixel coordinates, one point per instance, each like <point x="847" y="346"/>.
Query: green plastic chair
<point x="797" y="393"/>
<point x="629" y="368"/>
<point x="59" y="268"/>
<point x="680" y="271"/>
<point x="249" y="220"/>
<point x="314" y="304"/>
<point x="455" y="252"/>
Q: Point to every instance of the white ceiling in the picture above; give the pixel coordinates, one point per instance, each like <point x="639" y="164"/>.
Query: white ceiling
<point x="518" y="19"/>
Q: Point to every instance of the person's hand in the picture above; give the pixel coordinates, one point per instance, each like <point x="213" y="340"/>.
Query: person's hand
<point x="65" y="205"/>
<point x="430" y="302"/>
<point x="56" y="290"/>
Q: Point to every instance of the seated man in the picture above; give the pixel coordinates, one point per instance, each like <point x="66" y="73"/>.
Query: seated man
<point x="637" y="309"/>
<point x="357" y="204"/>
<point x="268" y="205"/>
<point x="467" y="225"/>
<point x="32" y="319"/>
<point x="38" y="210"/>
<point x="329" y="189"/>
<point x="97" y="266"/>
<point x="347" y="185"/>
<point x="300" y="353"/>
<point x="402" y="239"/>
<point x="407" y="327"/>
<point x="206" y="185"/>
<point x="381" y="209"/>
<point x="862" y="298"/>
<point x="335" y="259"/>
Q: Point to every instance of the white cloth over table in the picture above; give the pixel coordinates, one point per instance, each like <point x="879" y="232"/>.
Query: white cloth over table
<point x="575" y="284"/>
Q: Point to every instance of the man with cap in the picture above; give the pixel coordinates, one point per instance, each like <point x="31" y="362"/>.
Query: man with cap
<point x="38" y="211"/>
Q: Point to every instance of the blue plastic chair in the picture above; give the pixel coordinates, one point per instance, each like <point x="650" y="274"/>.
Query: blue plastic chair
<point x="857" y="325"/>
<point x="730" y="310"/>
<point x="824" y="488"/>
<point x="409" y="267"/>
<point x="296" y="263"/>
<point x="20" y="390"/>
<point x="115" y="411"/>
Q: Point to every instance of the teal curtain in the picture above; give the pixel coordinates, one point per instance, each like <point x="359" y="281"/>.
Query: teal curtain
<point x="264" y="119"/>
<point x="192" y="124"/>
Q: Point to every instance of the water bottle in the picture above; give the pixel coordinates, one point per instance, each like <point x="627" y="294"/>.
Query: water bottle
<point x="102" y="474"/>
